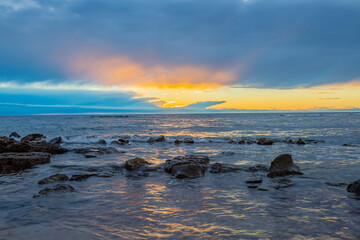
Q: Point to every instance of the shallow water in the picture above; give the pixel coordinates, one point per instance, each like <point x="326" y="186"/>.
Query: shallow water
<point x="216" y="206"/>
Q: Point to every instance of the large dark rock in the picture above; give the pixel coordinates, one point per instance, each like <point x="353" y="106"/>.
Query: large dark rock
<point x="183" y="160"/>
<point x="14" y="135"/>
<point x="265" y="141"/>
<point x="54" y="178"/>
<point x="33" y="137"/>
<point x="161" y="138"/>
<point x="188" y="140"/>
<point x="191" y="170"/>
<point x="354" y="187"/>
<point x="283" y="165"/>
<point x="223" y="168"/>
<point x="57" y="188"/>
<point x="135" y="163"/>
<point x="13" y="162"/>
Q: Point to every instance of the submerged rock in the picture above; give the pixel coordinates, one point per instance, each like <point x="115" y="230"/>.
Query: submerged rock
<point x="258" y="168"/>
<point x="177" y="141"/>
<point x="80" y="177"/>
<point x="33" y="138"/>
<point x="354" y="187"/>
<point x="254" y="179"/>
<point x="101" y="150"/>
<point x="223" y="168"/>
<point x="242" y="141"/>
<point x="283" y="165"/>
<point x="135" y="163"/>
<point x="102" y="141"/>
<point x="56" y="140"/>
<point x="54" y="178"/>
<point x="161" y="138"/>
<point x="90" y="156"/>
<point x="188" y="140"/>
<point x="13" y="162"/>
<point x="265" y="141"/>
<point x="232" y="141"/>
<point x="151" y="140"/>
<point x="14" y="135"/>
<point x="191" y="170"/>
<point x="57" y="188"/>
<point x="137" y="175"/>
<point x="300" y="142"/>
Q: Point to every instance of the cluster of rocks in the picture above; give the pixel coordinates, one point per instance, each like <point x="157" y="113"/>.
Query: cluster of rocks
<point x="18" y="153"/>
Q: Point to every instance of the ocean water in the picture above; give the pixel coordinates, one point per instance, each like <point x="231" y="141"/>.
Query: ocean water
<point x="217" y="206"/>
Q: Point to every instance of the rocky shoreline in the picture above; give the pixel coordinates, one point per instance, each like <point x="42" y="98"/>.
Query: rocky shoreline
<point x="18" y="154"/>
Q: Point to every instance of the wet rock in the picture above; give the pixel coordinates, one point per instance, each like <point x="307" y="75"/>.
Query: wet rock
<point x="56" y="140"/>
<point x="81" y="177"/>
<point x="283" y="165"/>
<point x="265" y="141"/>
<point x="188" y="140"/>
<point x="354" y="187"/>
<point x="250" y="142"/>
<point x="13" y="162"/>
<point x="242" y="141"/>
<point x="232" y="142"/>
<point x="90" y="156"/>
<point x="223" y="168"/>
<point x="254" y="179"/>
<point x="102" y="141"/>
<point x="258" y="168"/>
<point x="183" y="160"/>
<point x="290" y="141"/>
<point x="300" y="142"/>
<point x="100" y="151"/>
<point x="57" y="188"/>
<point x="19" y="147"/>
<point x="14" y="135"/>
<point x="151" y="140"/>
<point x="161" y="138"/>
<point x="191" y="170"/>
<point x="137" y="175"/>
<point x="335" y="184"/>
<point x="135" y="163"/>
<point x="177" y="141"/>
<point x="33" y="138"/>
<point x="263" y="189"/>
<point x="123" y="141"/>
<point x="54" y="178"/>
<point x="49" y="148"/>
<point x="252" y="186"/>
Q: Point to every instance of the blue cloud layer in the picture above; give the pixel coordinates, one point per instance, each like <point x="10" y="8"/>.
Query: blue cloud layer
<point x="279" y="43"/>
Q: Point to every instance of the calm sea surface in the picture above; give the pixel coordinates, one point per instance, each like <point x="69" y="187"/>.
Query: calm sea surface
<point x="216" y="206"/>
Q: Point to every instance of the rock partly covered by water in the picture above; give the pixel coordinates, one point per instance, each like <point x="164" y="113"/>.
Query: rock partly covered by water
<point x="224" y="168"/>
<point x="13" y="162"/>
<point x="265" y="141"/>
<point x="100" y="150"/>
<point x="14" y="135"/>
<point x="188" y="140"/>
<point x="56" y="140"/>
<point x="57" y="188"/>
<point x="54" y="178"/>
<point x="135" y="163"/>
<point x="33" y="138"/>
<point x="81" y="177"/>
<point x="188" y="166"/>
<point x="354" y="187"/>
<point x="283" y="165"/>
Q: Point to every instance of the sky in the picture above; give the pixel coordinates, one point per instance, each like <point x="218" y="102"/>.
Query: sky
<point x="170" y="56"/>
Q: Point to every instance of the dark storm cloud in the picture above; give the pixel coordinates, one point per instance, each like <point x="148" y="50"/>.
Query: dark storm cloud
<point x="279" y="43"/>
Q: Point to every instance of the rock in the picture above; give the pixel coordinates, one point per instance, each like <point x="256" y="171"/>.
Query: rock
<point x="300" y="142"/>
<point x="228" y="153"/>
<point x="183" y="160"/>
<point x="137" y="175"/>
<point x="188" y="140"/>
<point x="263" y="189"/>
<point x="254" y="179"/>
<point x="14" y="135"/>
<point x="135" y="163"/>
<point x="80" y="177"/>
<point x="49" y="148"/>
<point x="90" y="156"/>
<point x="19" y="147"/>
<point x="250" y="142"/>
<point x="33" y="138"/>
<point x="56" y="140"/>
<point x="54" y="178"/>
<point x="13" y="162"/>
<point x="177" y="141"/>
<point x="283" y="165"/>
<point x="335" y="184"/>
<point x="258" y="168"/>
<point x="252" y="186"/>
<point x="57" y="188"/>
<point x="102" y="141"/>
<point x="232" y="142"/>
<point x="151" y="140"/>
<point x="264" y="141"/>
<point x="223" y="168"/>
<point x="242" y="141"/>
<point x="191" y="170"/>
<point x="161" y="138"/>
<point x="289" y="141"/>
<point x="123" y="141"/>
<point x="354" y="187"/>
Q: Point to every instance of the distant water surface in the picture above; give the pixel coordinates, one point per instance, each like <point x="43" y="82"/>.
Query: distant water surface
<point x="216" y="206"/>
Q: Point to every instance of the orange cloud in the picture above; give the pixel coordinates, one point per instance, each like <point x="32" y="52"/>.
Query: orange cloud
<point x="119" y="70"/>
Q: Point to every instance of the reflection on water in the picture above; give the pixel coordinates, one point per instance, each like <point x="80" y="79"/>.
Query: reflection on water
<point x="216" y="206"/>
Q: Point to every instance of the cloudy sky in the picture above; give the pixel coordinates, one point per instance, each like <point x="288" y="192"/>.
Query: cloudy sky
<point x="80" y="56"/>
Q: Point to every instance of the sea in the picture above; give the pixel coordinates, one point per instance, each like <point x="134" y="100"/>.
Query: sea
<point x="314" y="205"/>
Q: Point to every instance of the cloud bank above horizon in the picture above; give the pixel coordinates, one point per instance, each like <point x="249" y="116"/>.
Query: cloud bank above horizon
<point x="174" y="53"/>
